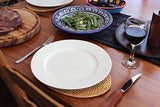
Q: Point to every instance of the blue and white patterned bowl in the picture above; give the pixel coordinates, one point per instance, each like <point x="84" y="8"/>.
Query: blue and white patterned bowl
<point x="104" y="16"/>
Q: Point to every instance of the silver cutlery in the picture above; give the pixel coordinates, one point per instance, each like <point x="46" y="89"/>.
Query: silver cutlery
<point x="50" y="39"/>
<point x="116" y="95"/>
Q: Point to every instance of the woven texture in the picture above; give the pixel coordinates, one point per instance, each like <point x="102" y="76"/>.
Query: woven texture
<point x="107" y="37"/>
<point x="43" y="9"/>
<point x="89" y="92"/>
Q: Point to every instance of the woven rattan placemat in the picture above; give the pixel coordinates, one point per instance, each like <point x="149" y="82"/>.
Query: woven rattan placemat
<point x="43" y="9"/>
<point x="92" y="91"/>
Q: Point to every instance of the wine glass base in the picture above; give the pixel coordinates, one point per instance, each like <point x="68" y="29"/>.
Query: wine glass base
<point x="128" y="63"/>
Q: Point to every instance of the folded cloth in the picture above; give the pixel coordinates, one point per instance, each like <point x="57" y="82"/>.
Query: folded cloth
<point x="107" y="37"/>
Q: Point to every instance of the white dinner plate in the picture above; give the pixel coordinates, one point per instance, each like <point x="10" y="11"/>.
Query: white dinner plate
<point x="48" y="3"/>
<point x="71" y="64"/>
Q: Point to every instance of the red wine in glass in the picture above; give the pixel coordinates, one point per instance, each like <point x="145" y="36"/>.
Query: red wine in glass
<point x="135" y="35"/>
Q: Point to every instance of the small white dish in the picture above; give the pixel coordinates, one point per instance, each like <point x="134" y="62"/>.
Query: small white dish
<point x="71" y="64"/>
<point x="48" y="3"/>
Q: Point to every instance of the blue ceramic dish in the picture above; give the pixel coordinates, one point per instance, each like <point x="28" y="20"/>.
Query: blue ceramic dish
<point x="103" y="15"/>
<point x="111" y="10"/>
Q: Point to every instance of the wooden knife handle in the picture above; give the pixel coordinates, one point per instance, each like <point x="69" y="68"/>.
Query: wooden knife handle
<point x="113" y="99"/>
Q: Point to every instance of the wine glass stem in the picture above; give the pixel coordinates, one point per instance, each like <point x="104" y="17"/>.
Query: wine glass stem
<point x="131" y="57"/>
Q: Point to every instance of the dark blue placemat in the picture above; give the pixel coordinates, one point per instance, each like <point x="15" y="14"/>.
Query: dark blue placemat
<point x="107" y="37"/>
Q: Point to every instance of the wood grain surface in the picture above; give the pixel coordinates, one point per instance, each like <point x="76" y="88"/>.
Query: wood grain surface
<point x="29" y="28"/>
<point x="144" y="93"/>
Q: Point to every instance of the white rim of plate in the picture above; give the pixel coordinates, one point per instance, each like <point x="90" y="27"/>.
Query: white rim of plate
<point x="48" y="3"/>
<point x="71" y="64"/>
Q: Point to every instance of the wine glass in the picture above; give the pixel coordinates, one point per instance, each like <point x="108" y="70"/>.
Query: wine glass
<point x="135" y="32"/>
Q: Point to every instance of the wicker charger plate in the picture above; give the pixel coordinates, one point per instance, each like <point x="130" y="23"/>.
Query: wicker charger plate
<point x="42" y="9"/>
<point x="93" y="91"/>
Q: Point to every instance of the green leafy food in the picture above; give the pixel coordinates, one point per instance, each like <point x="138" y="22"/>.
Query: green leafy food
<point x="82" y="21"/>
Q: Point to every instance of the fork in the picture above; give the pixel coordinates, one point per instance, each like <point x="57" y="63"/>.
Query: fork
<point x="50" y="39"/>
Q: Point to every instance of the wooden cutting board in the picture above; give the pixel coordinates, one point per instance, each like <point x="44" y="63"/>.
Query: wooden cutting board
<point x="29" y="28"/>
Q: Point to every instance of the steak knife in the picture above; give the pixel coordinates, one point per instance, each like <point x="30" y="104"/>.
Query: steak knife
<point x="116" y="95"/>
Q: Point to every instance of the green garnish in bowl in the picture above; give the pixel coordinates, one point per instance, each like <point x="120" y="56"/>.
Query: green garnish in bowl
<point x="82" y="21"/>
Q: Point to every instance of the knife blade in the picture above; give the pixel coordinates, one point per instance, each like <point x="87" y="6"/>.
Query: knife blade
<point x="113" y="99"/>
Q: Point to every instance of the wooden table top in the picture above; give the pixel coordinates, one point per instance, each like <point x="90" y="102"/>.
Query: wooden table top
<point x="144" y="93"/>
